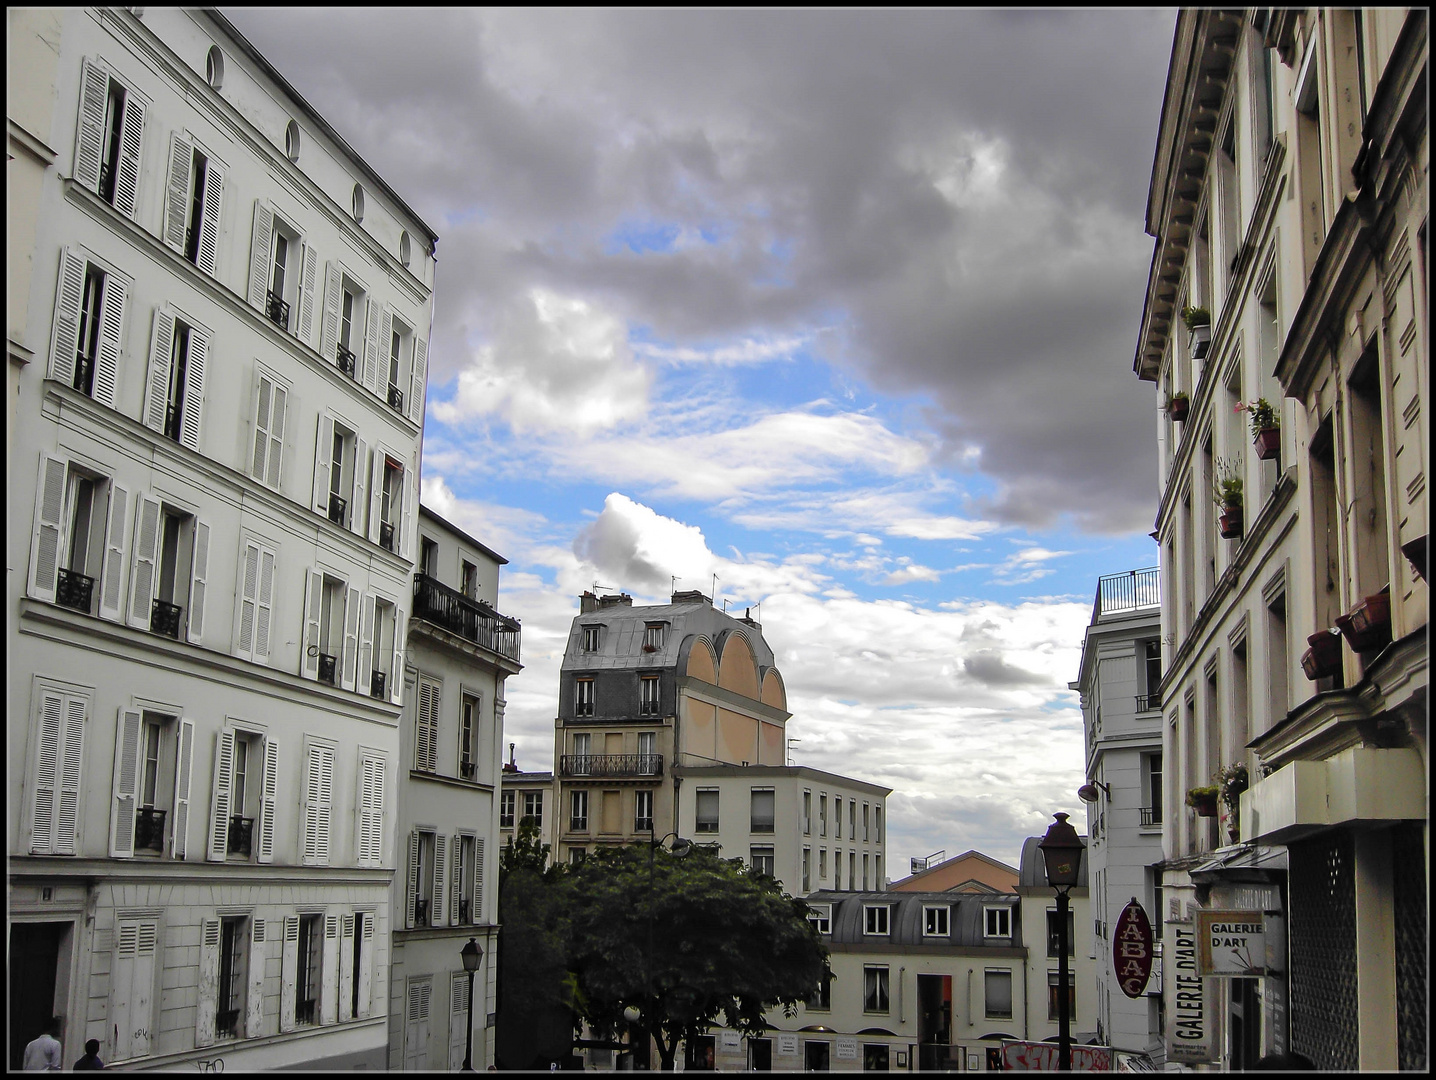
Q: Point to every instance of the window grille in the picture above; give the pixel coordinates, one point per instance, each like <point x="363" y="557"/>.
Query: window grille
<point x="1323" y="951"/>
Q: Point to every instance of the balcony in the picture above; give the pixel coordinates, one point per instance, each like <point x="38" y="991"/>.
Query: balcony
<point x="470" y="619"/>
<point x="396" y="398"/>
<point x="277" y="310"/>
<point x="165" y="619"/>
<point x="345" y="359"/>
<point x="74" y="590"/>
<point x="386" y="535"/>
<point x="328" y="665"/>
<point x="377" y="682"/>
<point x="241" y="832"/>
<point x="149" y="829"/>
<point x="337" y="506"/>
<point x="611" y="765"/>
<point x="1131" y="591"/>
<point x="1149" y="702"/>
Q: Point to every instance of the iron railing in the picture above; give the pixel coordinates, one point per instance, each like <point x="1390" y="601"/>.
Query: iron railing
<point x="1151" y="815"/>
<point x="345" y="359"/>
<point x="241" y="833"/>
<point x="74" y="590"/>
<point x="1149" y="702"/>
<point x="107" y="182"/>
<point x="468" y="769"/>
<point x="337" y="506"/>
<point x="386" y="535"/>
<point x="165" y="619"/>
<point x="328" y="666"/>
<point x="84" y="373"/>
<point x="468" y="618"/>
<point x="421" y="911"/>
<point x="606" y="765"/>
<point x="276" y="309"/>
<point x="1128" y="592"/>
<point x="304" y="1011"/>
<point x="377" y="681"/>
<point x="226" y="1022"/>
<point x="149" y="829"/>
<point x="174" y="416"/>
<point x="464" y="910"/>
<point x="396" y="398"/>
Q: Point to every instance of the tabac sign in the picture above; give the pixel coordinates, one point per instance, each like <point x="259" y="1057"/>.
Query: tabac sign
<point x="1231" y="943"/>
<point x="1132" y="949"/>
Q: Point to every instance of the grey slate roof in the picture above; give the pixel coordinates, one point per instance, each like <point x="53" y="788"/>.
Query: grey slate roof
<point x="621" y="645"/>
<point x="906" y="922"/>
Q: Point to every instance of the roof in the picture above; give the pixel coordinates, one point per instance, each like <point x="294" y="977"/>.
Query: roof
<point x="804" y="772"/>
<point x="528" y="777"/>
<point x="1033" y="875"/>
<point x="429" y="512"/>
<point x="971" y="853"/>
<point x="906" y="920"/>
<point x="685" y="620"/>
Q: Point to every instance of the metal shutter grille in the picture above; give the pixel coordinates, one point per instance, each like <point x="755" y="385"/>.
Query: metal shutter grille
<point x="1408" y="862"/>
<point x="1323" y="951"/>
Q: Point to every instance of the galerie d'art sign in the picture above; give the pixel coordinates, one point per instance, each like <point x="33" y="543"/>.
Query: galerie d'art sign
<point x="1132" y="949"/>
<point x="1231" y="943"/>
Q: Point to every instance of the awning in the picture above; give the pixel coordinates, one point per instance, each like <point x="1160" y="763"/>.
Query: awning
<point x="1246" y="862"/>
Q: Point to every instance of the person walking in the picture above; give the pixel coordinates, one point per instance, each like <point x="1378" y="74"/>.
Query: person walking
<point x="42" y="1053"/>
<point x="91" y="1060"/>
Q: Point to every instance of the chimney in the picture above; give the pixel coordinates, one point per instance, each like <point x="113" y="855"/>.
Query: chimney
<point x="691" y="596"/>
<point x="509" y="765"/>
<point x="621" y="600"/>
<point x="587" y="602"/>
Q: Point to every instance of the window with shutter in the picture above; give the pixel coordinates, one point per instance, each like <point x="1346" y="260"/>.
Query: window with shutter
<point x="132" y="987"/>
<point x="364" y="948"/>
<point x="128" y="748"/>
<point x="318" y="799"/>
<point x="108" y="137"/>
<point x="116" y="542"/>
<point x="476" y="905"/>
<point x="254" y="1000"/>
<point x="437" y="915"/>
<point x="347" y="965"/>
<point x="309" y="264"/>
<point x="418" y="380"/>
<point x="416" y="1028"/>
<point x="370" y="832"/>
<point x="220" y="795"/>
<point x="459" y="1017"/>
<point x="426" y="738"/>
<point x="411" y="882"/>
<point x="184" y="769"/>
<point x="199" y="575"/>
<point x="329" y="972"/>
<point x="349" y="657"/>
<point x="88" y="326"/>
<point x="289" y="974"/>
<point x="59" y="742"/>
<point x="271" y="399"/>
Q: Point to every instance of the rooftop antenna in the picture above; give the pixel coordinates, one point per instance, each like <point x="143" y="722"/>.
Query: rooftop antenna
<point x="725" y="605"/>
<point x="597" y="586"/>
<point x="672" y="583"/>
<point x="790" y="749"/>
<point x="715" y="589"/>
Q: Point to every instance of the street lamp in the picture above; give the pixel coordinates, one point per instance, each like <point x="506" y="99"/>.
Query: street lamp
<point x="679" y="848"/>
<point x="1062" y="858"/>
<point x="471" y="954"/>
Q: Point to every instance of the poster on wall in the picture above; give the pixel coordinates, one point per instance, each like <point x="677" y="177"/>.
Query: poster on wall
<point x="1191" y="1005"/>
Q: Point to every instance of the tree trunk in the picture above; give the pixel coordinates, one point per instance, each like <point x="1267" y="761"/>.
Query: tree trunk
<point x="666" y="1051"/>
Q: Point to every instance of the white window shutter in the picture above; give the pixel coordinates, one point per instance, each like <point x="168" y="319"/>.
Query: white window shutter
<point x="396" y="673"/>
<point x="210" y="209"/>
<point x="407" y="493"/>
<point x="308" y="265"/>
<point x="254" y="999"/>
<point x="219" y="808"/>
<point x="128" y="730"/>
<point x="47" y="773"/>
<point x="318" y="793"/>
<point x="358" y="504"/>
<point x="194" y="388"/>
<point x="276" y="436"/>
<point x="184" y="762"/>
<point x="72" y="749"/>
<point x="313" y="592"/>
<point x="259" y="255"/>
<point x="459" y="1018"/>
<point x="162" y="341"/>
<point x="248" y="599"/>
<point x="326" y="800"/>
<point x="204" y="1028"/>
<point x="411" y="884"/>
<point x="107" y="353"/>
<point x="376" y="494"/>
<point x="263" y="616"/>
<point x="323" y="459"/>
<point x="386" y="330"/>
<point x="132" y="978"/>
<point x="476" y="909"/>
<point x="288" y="972"/>
<point x="199" y="578"/>
<point x="418" y="380"/>
<point x="268" y="797"/>
<point x="49" y="536"/>
<point x="90" y="136"/>
<point x="127" y="175"/>
<point x="436" y="892"/>
<point x="456" y="876"/>
<point x="371" y="345"/>
<point x="142" y="572"/>
<point x="69" y="296"/>
<point x="369" y="833"/>
<point x="329" y="321"/>
<point x="346" y="968"/>
<point x="329" y="972"/>
<point x="178" y="192"/>
<point x="112" y="593"/>
<point x="365" y="671"/>
<point x="365" y="929"/>
<point x="347" y="660"/>
<point x="427" y="705"/>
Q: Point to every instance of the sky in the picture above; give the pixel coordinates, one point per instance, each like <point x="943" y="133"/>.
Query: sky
<point x="830" y="314"/>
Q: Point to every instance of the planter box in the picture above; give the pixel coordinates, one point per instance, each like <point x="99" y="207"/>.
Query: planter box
<point x="1368" y="625"/>
<point x="1201" y="341"/>
<point x="1206" y="807"/>
<point x="1178" y="409"/>
<point x="1268" y="443"/>
<point x="1324" y="656"/>
<point x="1230" y="523"/>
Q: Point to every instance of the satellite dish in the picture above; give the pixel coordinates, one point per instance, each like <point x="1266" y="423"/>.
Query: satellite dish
<point x="1087" y="793"/>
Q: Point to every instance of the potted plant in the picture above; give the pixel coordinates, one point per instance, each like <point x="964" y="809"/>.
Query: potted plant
<point x="1199" y="323"/>
<point x="1266" y="428"/>
<point x="1203" y="800"/>
<point x="1324" y="656"/>
<point x="1178" y="405"/>
<point x="1368" y="625"/>
<point x="1227" y="493"/>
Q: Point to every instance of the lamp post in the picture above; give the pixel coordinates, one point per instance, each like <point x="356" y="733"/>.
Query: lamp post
<point x="1062" y="859"/>
<point x="680" y="847"/>
<point x="471" y="954"/>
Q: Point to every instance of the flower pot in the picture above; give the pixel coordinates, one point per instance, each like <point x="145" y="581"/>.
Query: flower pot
<point x="1178" y="408"/>
<point x="1368" y="625"/>
<point x="1205" y="806"/>
<point x="1268" y="443"/>
<point x="1233" y="834"/>
<point x="1201" y="341"/>
<point x="1324" y="656"/>
<point x="1230" y="523"/>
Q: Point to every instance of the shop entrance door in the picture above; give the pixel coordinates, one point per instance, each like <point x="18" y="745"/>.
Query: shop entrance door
<point x="34" y="955"/>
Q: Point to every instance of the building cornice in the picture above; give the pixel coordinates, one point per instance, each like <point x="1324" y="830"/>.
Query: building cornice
<point x="460" y="646"/>
<point x="473" y="786"/>
<point x="25" y="141"/>
<point x="164" y="872"/>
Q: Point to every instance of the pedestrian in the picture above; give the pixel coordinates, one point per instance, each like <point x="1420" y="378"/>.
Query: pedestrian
<point x="42" y="1053"/>
<point x="91" y="1060"/>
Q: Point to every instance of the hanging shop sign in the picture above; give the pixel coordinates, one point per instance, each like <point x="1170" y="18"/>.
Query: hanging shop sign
<point x="1132" y="949"/>
<point x="1231" y="944"/>
<point x="1191" y="1006"/>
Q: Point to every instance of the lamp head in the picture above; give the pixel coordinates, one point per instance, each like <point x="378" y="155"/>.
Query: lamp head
<point x="471" y="954"/>
<point x="1061" y="853"/>
<point x="681" y="846"/>
<point x="1087" y="792"/>
<point x="631" y="1014"/>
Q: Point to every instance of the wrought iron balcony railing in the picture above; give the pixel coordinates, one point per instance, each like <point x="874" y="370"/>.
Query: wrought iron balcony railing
<point x="174" y="416"/>
<point x="84" y="373"/>
<point x="396" y="398"/>
<point x="328" y="666"/>
<point x="304" y="1011"/>
<point x="606" y="765"/>
<point x="1128" y="592"/>
<point x="1149" y="702"/>
<point x="464" y="909"/>
<point x="107" y="182"/>
<point x="149" y="829"/>
<point x="468" y="769"/>
<point x="337" y="506"/>
<point x="386" y="535"/>
<point x="74" y="590"/>
<point x="421" y="911"/>
<point x="1151" y="815"/>
<point x="241" y="832"/>
<point x="276" y="309"/>
<point x="165" y="619"/>
<point x="226" y="1022"/>
<point x="468" y="618"/>
<point x="377" y="681"/>
<point x="345" y="359"/>
<point x="643" y="824"/>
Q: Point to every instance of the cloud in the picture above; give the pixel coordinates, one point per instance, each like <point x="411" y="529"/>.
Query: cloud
<point x="641" y="549"/>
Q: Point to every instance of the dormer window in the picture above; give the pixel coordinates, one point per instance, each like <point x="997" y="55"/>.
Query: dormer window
<point x="590" y="638"/>
<point x="875" y="919"/>
<point x="936" y="920"/>
<point x="997" y="922"/>
<point x="653" y="637"/>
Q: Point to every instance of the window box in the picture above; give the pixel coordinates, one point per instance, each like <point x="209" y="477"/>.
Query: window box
<point x="165" y="619"/>
<point x="74" y="590"/>
<point x="1370" y="623"/>
<point x="1150" y="815"/>
<point x="337" y="506"/>
<point x="1324" y="657"/>
<point x="1203" y="800"/>
<point x="328" y="665"/>
<point x="1201" y="341"/>
<point x="149" y="829"/>
<point x="241" y="832"/>
<point x="396" y="398"/>
<point x="1230" y="523"/>
<point x="345" y="360"/>
<point x="277" y="310"/>
<point x="467" y="769"/>
<point x="1268" y="443"/>
<point x="1179" y="407"/>
<point x="386" y="535"/>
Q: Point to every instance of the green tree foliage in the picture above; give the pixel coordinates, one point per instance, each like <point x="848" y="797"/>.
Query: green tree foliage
<point x="725" y="942"/>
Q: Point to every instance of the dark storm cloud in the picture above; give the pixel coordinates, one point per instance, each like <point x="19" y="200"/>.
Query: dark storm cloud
<point x="965" y="189"/>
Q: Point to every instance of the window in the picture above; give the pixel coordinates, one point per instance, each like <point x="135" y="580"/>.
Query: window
<point x="506" y="810"/>
<point x="761" y="860"/>
<point x="469" y="737"/>
<point x="405" y="248"/>
<point x="318" y="808"/>
<point x="997" y="922"/>
<point x="1053" y="1001"/>
<point x="533" y="807"/>
<point x="1278" y="700"/>
<point x="875" y="989"/>
<point x="428" y="555"/>
<point x="469" y="579"/>
<point x="653" y="637"/>
<point x="341" y="328"/>
<point x="576" y="855"/>
<point x="339" y="473"/>
<point x="269" y="409"/>
<point x="807" y="813"/>
<point x="391" y="502"/>
<point x="822" y="864"/>
<point x="935" y="921"/>
<point x="878" y="826"/>
<point x="875" y="919"/>
<point x="822" y="997"/>
<point x="398" y="347"/>
<point x="89" y="317"/>
<point x="865" y="871"/>
<point x="278" y="275"/>
<point x="70" y="544"/>
<point x="583" y="696"/>
<point x="582" y="765"/>
<point x="193" y="198"/>
<point x="852" y="819"/>
<point x="590" y="638"/>
<point x="369" y="834"/>
<point x="866" y="835"/>
<point x="178" y="352"/>
<point x="291" y="141"/>
<point x="648" y="696"/>
<point x="821" y="916"/>
<point x="706" y="810"/>
<point x="838" y="816"/>
<point x="309" y="968"/>
<point x="578" y="811"/>
<point x="807" y="869"/>
<point x="762" y="810"/>
<point x="997" y="994"/>
<point x="242" y="798"/>
<point x="132" y="980"/>
<point x="108" y="137"/>
<point x="152" y="783"/>
<point x="466" y="876"/>
<point x="357" y="203"/>
<point x="822" y="815"/>
<point x="1053" y="934"/>
<point x="423" y="876"/>
<point x="648" y="763"/>
<point x="386" y="649"/>
<point x="643" y="811"/>
<point x="1154" y="786"/>
<point x="426" y="731"/>
<point x="233" y="977"/>
<point x="214" y="67"/>
<point x="852" y="870"/>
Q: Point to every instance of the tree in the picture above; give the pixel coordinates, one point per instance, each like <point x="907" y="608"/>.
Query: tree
<point x="725" y="941"/>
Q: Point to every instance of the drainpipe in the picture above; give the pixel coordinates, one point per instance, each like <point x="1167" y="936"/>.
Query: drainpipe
<point x="902" y="1015"/>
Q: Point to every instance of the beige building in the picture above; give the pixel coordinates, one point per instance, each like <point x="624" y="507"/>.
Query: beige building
<point x="1289" y="200"/>
<point x="972" y="871"/>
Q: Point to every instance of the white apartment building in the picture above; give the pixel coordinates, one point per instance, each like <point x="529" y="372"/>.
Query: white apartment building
<point x="212" y="507"/>
<point x="461" y="650"/>
<point x="1120" y="682"/>
<point x="1289" y="199"/>
<point x="810" y="829"/>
